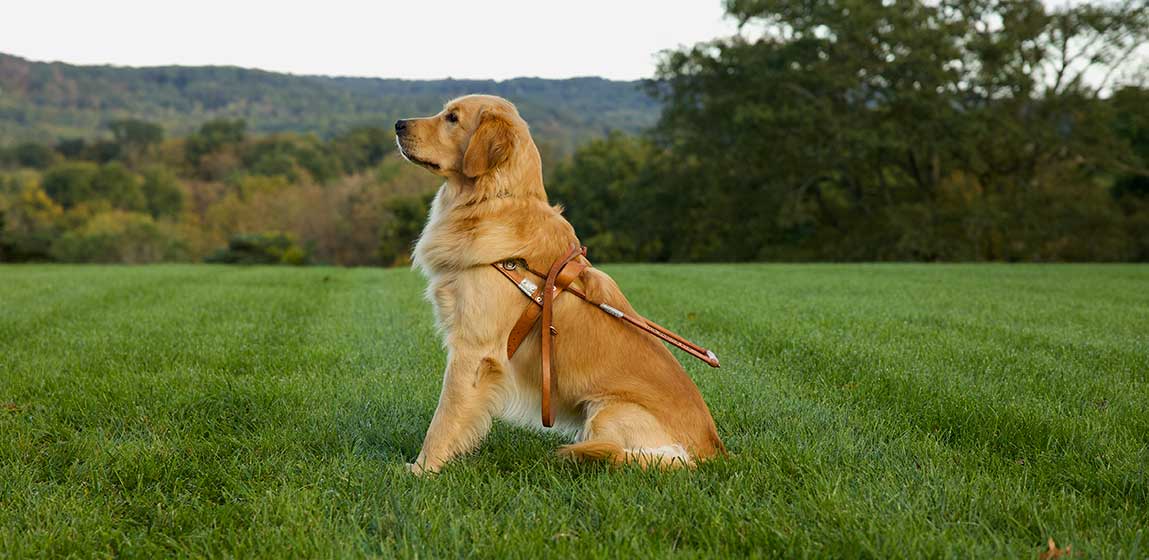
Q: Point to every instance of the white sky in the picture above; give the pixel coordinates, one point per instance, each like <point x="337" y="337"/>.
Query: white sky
<point x="414" y="39"/>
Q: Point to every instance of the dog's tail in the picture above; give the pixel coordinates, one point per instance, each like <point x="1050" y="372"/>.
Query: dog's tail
<point x="594" y="451"/>
<point x="609" y="451"/>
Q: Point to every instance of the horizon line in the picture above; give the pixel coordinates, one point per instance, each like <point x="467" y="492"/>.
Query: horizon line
<point x="305" y="75"/>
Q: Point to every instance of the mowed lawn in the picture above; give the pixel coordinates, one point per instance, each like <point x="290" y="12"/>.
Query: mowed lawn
<point x="968" y="411"/>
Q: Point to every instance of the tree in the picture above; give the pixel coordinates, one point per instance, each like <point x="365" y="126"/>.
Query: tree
<point x="215" y="135"/>
<point x="162" y="191"/>
<point x="875" y="130"/>
<point x="70" y="183"/>
<point x="104" y="151"/>
<point x="405" y="218"/>
<point x="73" y="183"/>
<point x="119" y="237"/>
<point x="120" y="187"/>
<point x="135" y="136"/>
<point x="261" y="248"/>
<point x="72" y="148"/>
<point x="292" y="157"/>
<point x="1131" y="187"/>
<point x="211" y="150"/>
<point x="612" y="195"/>
<point x="29" y="221"/>
<point x="32" y="155"/>
<point x="362" y="148"/>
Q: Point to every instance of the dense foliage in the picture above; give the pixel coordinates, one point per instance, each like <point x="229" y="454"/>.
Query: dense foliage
<point x="861" y="130"/>
<point x="220" y="194"/>
<point x="45" y="101"/>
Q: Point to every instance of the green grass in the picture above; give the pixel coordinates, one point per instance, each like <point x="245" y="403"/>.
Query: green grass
<point x="875" y="411"/>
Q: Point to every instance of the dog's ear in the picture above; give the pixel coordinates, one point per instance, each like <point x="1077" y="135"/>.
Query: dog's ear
<point x="490" y="145"/>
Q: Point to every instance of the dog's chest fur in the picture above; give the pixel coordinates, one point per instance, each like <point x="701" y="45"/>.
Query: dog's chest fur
<point x="521" y="405"/>
<point x="449" y="255"/>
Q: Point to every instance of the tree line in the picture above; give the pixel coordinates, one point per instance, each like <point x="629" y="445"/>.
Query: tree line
<point x="220" y="194"/>
<point x="951" y="130"/>
<point x="43" y="101"/>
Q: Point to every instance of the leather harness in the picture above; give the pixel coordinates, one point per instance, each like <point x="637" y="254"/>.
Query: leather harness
<point x="557" y="280"/>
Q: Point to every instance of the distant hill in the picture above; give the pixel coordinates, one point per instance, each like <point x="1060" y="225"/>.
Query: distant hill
<point x="46" y="101"/>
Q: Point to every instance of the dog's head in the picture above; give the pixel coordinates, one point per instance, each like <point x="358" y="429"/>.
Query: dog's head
<point x="471" y="137"/>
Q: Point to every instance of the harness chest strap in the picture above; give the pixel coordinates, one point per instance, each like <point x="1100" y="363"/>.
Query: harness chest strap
<point x="530" y="316"/>
<point x="559" y="278"/>
<point x="548" y="332"/>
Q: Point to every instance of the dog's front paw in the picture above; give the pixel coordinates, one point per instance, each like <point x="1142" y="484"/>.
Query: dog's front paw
<point x="422" y="469"/>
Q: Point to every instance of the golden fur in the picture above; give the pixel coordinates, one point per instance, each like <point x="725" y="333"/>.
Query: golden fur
<point x="618" y="390"/>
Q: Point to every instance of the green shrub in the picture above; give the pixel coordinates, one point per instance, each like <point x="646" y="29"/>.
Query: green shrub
<point x="70" y="183"/>
<point x="120" y="187"/>
<point x="162" y="190"/>
<point x="35" y="156"/>
<point x="73" y="183"/>
<point x="120" y="237"/>
<point x="261" y="248"/>
<point x="29" y="219"/>
<point x="405" y="216"/>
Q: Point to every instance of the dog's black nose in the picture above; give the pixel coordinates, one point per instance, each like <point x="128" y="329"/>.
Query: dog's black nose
<point x="400" y="125"/>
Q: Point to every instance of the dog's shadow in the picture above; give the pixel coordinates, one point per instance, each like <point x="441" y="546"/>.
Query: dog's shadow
<point x="385" y="431"/>
<point x="395" y="435"/>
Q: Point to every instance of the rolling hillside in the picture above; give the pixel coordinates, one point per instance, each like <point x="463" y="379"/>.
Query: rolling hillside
<point x="46" y="101"/>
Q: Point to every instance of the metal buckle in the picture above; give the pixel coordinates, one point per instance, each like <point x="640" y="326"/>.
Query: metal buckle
<point x="528" y="287"/>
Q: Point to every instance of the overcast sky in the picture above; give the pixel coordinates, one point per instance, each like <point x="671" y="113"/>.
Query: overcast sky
<point x="415" y="39"/>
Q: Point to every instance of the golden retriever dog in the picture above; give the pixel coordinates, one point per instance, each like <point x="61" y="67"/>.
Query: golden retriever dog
<point x="618" y="391"/>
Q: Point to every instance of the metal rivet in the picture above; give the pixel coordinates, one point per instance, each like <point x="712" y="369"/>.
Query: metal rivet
<point x="509" y="265"/>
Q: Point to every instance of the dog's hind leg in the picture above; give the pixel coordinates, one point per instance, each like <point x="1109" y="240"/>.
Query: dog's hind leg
<point x="620" y="432"/>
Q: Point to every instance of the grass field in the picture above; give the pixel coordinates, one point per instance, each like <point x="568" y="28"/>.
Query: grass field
<point x="874" y="410"/>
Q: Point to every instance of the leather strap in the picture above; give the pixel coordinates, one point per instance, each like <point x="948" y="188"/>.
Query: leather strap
<point x="548" y="330"/>
<point x="530" y="315"/>
<point x="559" y="278"/>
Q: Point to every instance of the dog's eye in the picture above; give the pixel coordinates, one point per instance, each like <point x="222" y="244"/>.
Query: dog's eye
<point x="452" y="118"/>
